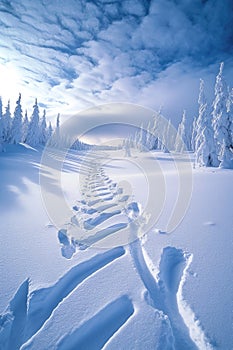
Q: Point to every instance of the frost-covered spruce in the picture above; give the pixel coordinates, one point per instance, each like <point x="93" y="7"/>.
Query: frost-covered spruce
<point x="33" y="135"/>
<point x="221" y="116"/>
<point x="194" y="134"/>
<point x="16" y="129"/>
<point x="206" y="152"/>
<point x="181" y="140"/>
<point x="168" y="138"/>
<point x="225" y="157"/>
<point x="148" y="136"/>
<point x="202" y="115"/>
<point x="25" y="127"/>
<point x="230" y="112"/>
<point x="43" y="130"/>
<point x="56" y="136"/>
<point x="205" y="146"/>
<point x="1" y="123"/>
<point x="142" y="138"/>
<point x="50" y="130"/>
<point x="7" y="121"/>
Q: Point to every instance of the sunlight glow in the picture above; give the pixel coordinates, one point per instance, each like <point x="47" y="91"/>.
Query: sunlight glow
<point x="9" y="82"/>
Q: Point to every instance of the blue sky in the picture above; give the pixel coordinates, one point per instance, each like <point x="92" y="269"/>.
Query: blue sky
<point x="76" y="54"/>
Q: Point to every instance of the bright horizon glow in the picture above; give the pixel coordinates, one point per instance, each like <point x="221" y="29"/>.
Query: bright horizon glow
<point x="9" y="82"/>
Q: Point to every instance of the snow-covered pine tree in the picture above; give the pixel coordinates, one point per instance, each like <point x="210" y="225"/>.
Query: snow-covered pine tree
<point x="1" y="126"/>
<point x="1" y="122"/>
<point x="206" y="155"/>
<point x="6" y="118"/>
<point x="126" y="147"/>
<point x="194" y="134"/>
<point x="154" y="134"/>
<point x="225" y="157"/>
<point x="148" y="137"/>
<point x="168" y="140"/>
<point x="16" y="129"/>
<point x="189" y="136"/>
<point x="230" y="112"/>
<point x="57" y="136"/>
<point x="205" y="148"/>
<point x="50" y="130"/>
<point x="58" y="122"/>
<point x="43" y="130"/>
<point x="141" y="139"/>
<point x="25" y="127"/>
<point x="33" y="134"/>
<point x="181" y="141"/>
<point x="221" y="117"/>
<point x="136" y="138"/>
<point x="226" y="153"/>
<point x="202" y="115"/>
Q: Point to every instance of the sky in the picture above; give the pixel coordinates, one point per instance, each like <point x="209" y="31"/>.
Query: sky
<point x="77" y="54"/>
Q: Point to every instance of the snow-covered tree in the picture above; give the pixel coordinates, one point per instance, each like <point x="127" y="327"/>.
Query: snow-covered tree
<point x="50" y="130"/>
<point x="33" y="134"/>
<point x="225" y="157"/>
<point x="181" y="140"/>
<point x="205" y="148"/>
<point x="126" y="147"/>
<point x="148" y="137"/>
<point x="194" y="134"/>
<point x="141" y="139"/>
<point x="1" y="126"/>
<point x="6" y="118"/>
<point x="151" y="134"/>
<point x="1" y="122"/>
<point x="57" y="136"/>
<point x="221" y="116"/>
<point x="206" y="152"/>
<point x="202" y="115"/>
<point x="16" y="129"/>
<point x="25" y="127"/>
<point x="230" y="113"/>
<point x="58" y="122"/>
<point x="43" y="130"/>
<point x="168" y="140"/>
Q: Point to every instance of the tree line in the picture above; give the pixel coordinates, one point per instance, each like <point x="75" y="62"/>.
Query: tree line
<point x="209" y="136"/>
<point x="18" y="128"/>
<point x="35" y="131"/>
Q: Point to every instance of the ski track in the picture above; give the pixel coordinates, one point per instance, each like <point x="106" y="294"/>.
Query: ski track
<point x="28" y="312"/>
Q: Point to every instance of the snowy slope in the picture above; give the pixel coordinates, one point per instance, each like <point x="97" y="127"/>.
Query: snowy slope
<point x="164" y="291"/>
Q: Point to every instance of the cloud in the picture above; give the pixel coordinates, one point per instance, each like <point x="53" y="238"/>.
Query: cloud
<point x="77" y="54"/>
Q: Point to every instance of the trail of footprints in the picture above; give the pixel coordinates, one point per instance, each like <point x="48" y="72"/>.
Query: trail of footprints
<point x="102" y="211"/>
<point x="29" y="311"/>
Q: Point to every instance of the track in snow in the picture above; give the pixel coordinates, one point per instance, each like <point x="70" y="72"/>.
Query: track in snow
<point x="94" y="333"/>
<point x="28" y="312"/>
<point x="101" y="212"/>
<point x="105" y="208"/>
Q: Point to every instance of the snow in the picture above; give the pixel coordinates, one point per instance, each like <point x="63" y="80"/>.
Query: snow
<point x="162" y="291"/>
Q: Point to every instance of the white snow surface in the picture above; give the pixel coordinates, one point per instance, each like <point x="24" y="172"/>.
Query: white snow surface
<point x="163" y="291"/>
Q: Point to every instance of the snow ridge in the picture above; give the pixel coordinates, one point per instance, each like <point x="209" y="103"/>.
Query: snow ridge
<point x="164" y="293"/>
<point x="27" y="313"/>
<point x="94" y="333"/>
<point x="196" y="332"/>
